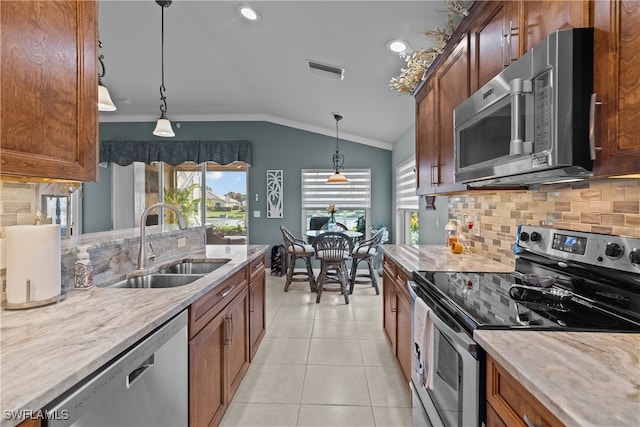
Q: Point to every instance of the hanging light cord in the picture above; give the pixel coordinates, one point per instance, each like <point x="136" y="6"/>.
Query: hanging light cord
<point x="163" y="106"/>
<point x="338" y="159"/>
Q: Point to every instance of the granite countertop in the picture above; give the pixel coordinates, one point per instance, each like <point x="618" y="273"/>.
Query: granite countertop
<point x="584" y="378"/>
<point x="440" y="258"/>
<point x="46" y="350"/>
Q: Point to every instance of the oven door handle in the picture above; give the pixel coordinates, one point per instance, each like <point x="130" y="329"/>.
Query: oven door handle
<point x="459" y="338"/>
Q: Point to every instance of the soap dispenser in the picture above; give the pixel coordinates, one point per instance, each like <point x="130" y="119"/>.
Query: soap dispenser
<point x="83" y="269"/>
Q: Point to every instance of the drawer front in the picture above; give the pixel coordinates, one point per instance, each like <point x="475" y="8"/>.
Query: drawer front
<point x="206" y="308"/>
<point x="513" y="404"/>
<point x="256" y="267"/>
<point x="389" y="267"/>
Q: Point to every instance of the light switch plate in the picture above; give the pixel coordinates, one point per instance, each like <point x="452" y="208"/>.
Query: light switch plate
<point x="182" y="242"/>
<point x="256" y="214"/>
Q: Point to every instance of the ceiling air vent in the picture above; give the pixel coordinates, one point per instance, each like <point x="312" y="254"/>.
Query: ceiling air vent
<point x="325" y="69"/>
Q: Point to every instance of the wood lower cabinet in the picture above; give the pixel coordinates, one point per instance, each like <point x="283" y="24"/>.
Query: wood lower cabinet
<point x="226" y="327"/>
<point x="49" y="89"/>
<point x="510" y="404"/>
<point x="257" y="320"/>
<point x="207" y="359"/>
<point x="617" y="84"/>
<point x="397" y="314"/>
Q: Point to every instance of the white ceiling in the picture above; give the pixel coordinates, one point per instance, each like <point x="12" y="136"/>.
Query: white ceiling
<point x="219" y="66"/>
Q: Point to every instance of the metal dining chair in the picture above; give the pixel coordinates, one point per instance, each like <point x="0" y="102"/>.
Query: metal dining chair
<point x="298" y="249"/>
<point x="333" y="249"/>
<point x="365" y="250"/>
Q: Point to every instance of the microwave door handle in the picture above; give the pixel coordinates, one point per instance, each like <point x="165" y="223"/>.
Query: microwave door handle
<point x="518" y="89"/>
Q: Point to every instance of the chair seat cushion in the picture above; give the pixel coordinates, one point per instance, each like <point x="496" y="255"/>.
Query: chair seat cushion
<point x="344" y="256"/>
<point x="364" y="250"/>
<point x="308" y="249"/>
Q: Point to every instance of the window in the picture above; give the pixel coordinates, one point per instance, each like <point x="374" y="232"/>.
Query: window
<point x="352" y="199"/>
<point x="205" y="194"/>
<point x="407" y="203"/>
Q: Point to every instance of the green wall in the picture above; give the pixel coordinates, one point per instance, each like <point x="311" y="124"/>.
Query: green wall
<point x="273" y="147"/>
<point x="431" y="222"/>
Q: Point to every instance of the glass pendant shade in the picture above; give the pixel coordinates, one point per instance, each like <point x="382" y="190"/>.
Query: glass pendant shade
<point x="104" y="99"/>
<point x="163" y="128"/>
<point x="337" y="178"/>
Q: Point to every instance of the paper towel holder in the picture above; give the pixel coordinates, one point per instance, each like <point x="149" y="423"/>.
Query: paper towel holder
<point x="30" y="304"/>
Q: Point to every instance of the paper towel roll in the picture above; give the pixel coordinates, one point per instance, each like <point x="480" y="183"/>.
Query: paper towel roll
<point x="33" y="253"/>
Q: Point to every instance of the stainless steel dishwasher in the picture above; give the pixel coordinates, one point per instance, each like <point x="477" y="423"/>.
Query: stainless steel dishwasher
<point x="147" y="385"/>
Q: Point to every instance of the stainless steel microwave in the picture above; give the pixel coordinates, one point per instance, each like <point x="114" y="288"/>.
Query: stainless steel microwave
<point x="531" y="123"/>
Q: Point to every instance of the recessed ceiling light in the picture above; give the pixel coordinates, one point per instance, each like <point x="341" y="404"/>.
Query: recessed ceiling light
<point x="248" y="13"/>
<point x="397" y="46"/>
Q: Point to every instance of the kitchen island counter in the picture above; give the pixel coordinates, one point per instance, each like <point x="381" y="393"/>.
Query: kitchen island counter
<point x="583" y="378"/>
<point x="45" y="351"/>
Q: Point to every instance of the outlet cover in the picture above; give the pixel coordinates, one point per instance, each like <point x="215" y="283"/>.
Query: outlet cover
<point x="256" y="214"/>
<point x="182" y="242"/>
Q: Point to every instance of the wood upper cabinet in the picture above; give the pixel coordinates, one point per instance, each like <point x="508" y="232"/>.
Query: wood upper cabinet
<point x="435" y="102"/>
<point x="491" y="43"/>
<point x="538" y="19"/>
<point x="617" y="85"/>
<point x="49" y="89"/>
<point x="452" y="87"/>
<point x="426" y="143"/>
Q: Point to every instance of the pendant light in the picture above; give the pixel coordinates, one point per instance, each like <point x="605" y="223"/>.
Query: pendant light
<point x="338" y="160"/>
<point x="104" y="99"/>
<point x="163" y="127"/>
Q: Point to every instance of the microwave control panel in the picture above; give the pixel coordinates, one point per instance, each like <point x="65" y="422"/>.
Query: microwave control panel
<point x="543" y="106"/>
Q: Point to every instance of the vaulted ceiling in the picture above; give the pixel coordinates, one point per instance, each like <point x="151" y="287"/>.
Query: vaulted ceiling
<point x="219" y="66"/>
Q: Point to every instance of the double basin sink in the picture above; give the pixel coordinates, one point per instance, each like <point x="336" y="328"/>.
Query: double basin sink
<point x="179" y="274"/>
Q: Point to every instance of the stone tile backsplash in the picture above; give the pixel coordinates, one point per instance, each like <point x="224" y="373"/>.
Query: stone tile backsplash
<point x="608" y="206"/>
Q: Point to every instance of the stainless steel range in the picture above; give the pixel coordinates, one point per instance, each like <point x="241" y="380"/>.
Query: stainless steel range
<point x="563" y="280"/>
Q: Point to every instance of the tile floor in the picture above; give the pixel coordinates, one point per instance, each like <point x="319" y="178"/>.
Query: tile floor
<point x="325" y="364"/>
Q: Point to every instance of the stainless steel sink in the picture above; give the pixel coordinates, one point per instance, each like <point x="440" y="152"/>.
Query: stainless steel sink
<point x="193" y="267"/>
<point x="157" y="280"/>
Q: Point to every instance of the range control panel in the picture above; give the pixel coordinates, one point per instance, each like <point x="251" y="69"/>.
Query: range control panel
<point x="620" y="253"/>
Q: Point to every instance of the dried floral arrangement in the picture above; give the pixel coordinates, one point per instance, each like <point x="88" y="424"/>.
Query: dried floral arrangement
<point x="419" y="61"/>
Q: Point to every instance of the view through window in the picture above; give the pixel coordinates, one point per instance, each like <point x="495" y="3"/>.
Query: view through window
<point x="204" y="194"/>
<point x="407" y="203"/>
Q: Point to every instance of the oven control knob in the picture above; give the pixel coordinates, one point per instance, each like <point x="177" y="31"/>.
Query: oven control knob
<point x="614" y="250"/>
<point x="634" y="257"/>
<point x="524" y="236"/>
<point x="536" y="237"/>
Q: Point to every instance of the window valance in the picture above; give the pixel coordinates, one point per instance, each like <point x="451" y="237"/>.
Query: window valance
<point x="175" y="152"/>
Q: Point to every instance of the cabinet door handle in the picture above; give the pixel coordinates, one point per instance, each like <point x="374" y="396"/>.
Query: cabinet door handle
<point x="434" y="168"/>
<point x="528" y="421"/>
<point x="592" y="126"/>
<point x="509" y="33"/>
<point x="393" y="302"/>
<point x="227" y="330"/>
<point x="252" y="294"/>
<point x="227" y="291"/>
<point x="231" y="329"/>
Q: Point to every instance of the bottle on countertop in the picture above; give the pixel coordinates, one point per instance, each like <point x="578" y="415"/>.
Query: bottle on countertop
<point x="83" y="269"/>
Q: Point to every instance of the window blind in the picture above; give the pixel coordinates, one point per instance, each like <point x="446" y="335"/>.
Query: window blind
<point x="406" y="197"/>
<point x="317" y="194"/>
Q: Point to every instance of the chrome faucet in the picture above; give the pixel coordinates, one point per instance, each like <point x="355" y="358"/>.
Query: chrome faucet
<point x="142" y="254"/>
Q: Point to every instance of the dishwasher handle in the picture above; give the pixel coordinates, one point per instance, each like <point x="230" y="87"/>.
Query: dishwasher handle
<point x="139" y="371"/>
